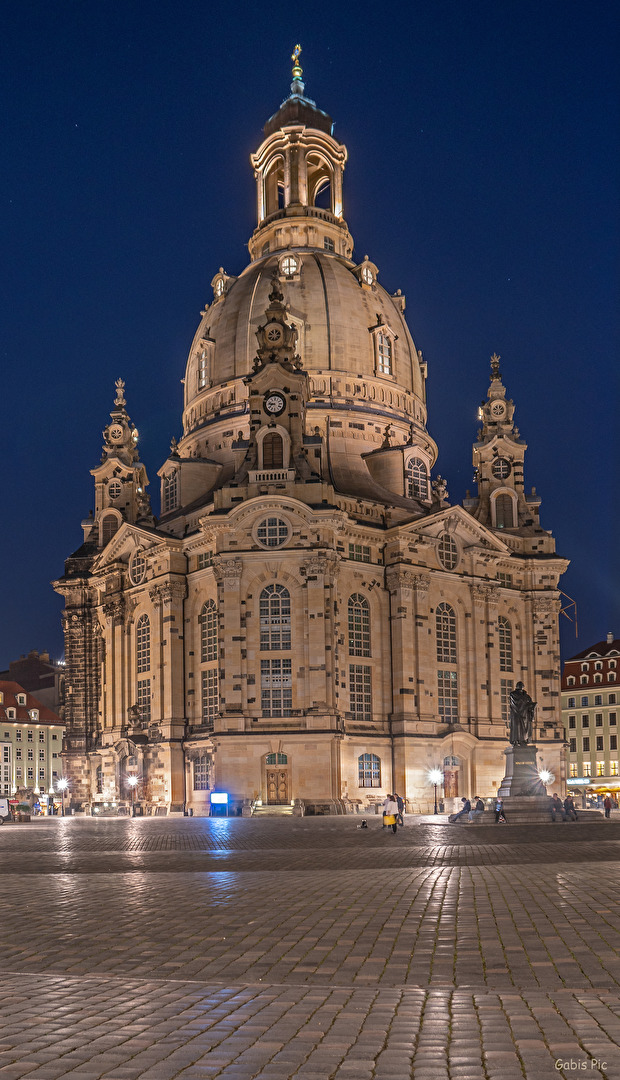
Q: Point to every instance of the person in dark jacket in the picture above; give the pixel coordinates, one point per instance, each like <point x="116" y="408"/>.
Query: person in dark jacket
<point x="500" y="817"/>
<point x="401" y="807"/>
<point x="569" y="808"/>
<point x="557" y="808"/>
<point x="464" y="811"/>
<point x="607" y="805"/>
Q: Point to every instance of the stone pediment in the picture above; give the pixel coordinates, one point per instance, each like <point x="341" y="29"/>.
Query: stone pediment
<point x="126" y="541"/>
<point x="459" y="524"/>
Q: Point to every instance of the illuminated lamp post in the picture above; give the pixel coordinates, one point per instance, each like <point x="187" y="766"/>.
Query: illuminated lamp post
<point x="133" y="781"/>
<point x="546" y="776"/>
<point x="62" y="786"/>
<point x="435" y="777"/>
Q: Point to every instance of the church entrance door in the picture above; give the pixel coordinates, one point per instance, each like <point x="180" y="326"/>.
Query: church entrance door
<point x="277" y="787"/>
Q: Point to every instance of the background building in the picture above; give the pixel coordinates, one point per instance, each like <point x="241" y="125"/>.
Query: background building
<point x="40" y="676"/>
<point x="310" y="619"/>
<point x="30" y="745"/>
<point x="589" y="713"/>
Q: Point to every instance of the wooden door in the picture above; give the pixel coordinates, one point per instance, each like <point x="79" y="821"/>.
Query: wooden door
<point x="277" y="787"/>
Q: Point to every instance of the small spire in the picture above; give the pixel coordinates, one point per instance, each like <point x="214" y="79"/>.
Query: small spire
<point x="495" y="373"/>
<point x="120" y="396"/>
<point x="297" y="86"/>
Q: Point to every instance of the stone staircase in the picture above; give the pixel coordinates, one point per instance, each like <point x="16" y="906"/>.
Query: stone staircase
<point x="285" y="810"/>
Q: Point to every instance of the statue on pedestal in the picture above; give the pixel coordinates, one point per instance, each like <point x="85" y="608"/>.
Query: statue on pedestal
<point x="522" y="710"/>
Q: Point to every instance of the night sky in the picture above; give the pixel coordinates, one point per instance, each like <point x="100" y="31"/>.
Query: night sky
<point x="483" y="180"/>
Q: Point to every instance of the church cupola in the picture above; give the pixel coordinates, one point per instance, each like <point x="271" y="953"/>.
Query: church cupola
<point x="498" y="458"/>
<point x="298" y="170"/>
<point x="120" y="479"/>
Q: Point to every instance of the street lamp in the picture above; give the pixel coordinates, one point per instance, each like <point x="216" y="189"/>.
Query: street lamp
<point x="62" y="786"/>
<point x="546" y="776"/>
<point x="435" y="777"/>
<point x="132" y="781"/>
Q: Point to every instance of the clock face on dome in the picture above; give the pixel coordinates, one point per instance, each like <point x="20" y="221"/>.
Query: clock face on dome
<point x="274" y="404"/>
<point x="274" y="333"/>
<point x="498" y="409"/>
<point x="116" y="433"/>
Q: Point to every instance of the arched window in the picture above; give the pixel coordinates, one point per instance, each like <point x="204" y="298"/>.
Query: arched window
<point x="273" y="451"/>
<point x="208" y="632"/>
<point x="276" y="759"/>
<point x="143" y="644"/>
<point x="275" y="618"/>
<point x="445" y="625"/>
<point x="505" y="644"/>
<point x="109" y="526"/>
<point x="417" y="479"/>
<point x="201" y="772"/>
<point x="359" y="625"/>
<point x="504" y="512"/>
<point x="369" y="770"/>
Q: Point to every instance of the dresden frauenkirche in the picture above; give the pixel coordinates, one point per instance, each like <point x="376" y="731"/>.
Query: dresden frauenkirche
<point x="310" y="623"/>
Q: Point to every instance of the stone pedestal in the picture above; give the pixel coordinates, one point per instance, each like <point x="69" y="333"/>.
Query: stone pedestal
<point x="521" y="776"/>
<point x="522" y="791"/>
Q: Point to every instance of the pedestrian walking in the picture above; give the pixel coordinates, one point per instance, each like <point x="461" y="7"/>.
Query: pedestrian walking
<point x="569" y="808"/>
<point x="557" y="808"/>
<point x="390" y="812"/>
<point x="401" y="806"/>
<point x="500" y="817"/>
<point x="607" y="805"/>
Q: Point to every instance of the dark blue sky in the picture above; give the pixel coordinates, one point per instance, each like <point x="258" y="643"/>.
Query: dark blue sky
<point x="483" y="179"/>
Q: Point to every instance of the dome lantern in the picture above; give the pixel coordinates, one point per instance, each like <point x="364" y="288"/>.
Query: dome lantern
<point x="298" y="170"/>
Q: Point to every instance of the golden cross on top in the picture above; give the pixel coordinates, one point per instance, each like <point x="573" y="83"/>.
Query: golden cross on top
<point x="295" y="58"/>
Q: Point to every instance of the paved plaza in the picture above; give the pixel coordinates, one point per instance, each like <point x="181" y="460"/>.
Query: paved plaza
<point x="281" y="948"/>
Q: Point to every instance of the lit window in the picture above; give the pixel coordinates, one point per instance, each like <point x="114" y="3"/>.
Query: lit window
<point x="203" y="369"/>
<point x="369" y="770"/>
<point x="587" y="768"/>
<point x="201" y="773"/>
<point x="600" y="767"/>
<point x="275" y="618"/>
<point x="359" y="625"/>
<point x="573" y="768"/>
<point x="447" y="551"/>
<point x="360" y="691"/>
<point x="208" y="632"/>
<point x="276" y="687"/>
<point x="505" y="644"/>
<point x="272" y="532"/>
<point x="447" y="689"/>
<point x="445" y="631"/>
<point x="289" y="266"/>
<point x="417" y="479"/>
<point x="143" y="644"/>
<point x="613" y="767"/>
<point x="384" y="354"/>
<point x="210" y="697"/>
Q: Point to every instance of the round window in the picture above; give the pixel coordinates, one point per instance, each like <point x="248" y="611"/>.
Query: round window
<point x="448" y="552"/>
<point x="272" y="532"/>
<point x="137" y="569"/>
<point x="289" y="266"/>
<point x="501" y="468"/>
<point x="114" y="489"/>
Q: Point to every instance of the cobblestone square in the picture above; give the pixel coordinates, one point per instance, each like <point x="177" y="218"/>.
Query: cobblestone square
<point x="281" y="948"/>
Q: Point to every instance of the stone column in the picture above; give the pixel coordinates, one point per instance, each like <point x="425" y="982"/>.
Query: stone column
<point x="231" y="638"/>
<point x="321" y="582"/>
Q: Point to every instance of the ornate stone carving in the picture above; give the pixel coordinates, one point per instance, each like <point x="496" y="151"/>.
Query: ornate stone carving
<point x="543" y="606"/>
<point x="328" y="564"/>
<point x="114" y="609"/>
<point x="485" y="593"/>
<point x="399" y="578"/>
<point x="227" y="571"/>
<point x="169" y="593"/>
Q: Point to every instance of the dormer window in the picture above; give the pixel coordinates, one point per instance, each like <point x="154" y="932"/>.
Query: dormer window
<point x="21" y="699"/>
<point x="366" y="273"/>
<point x="571" y="680"/>
<point x="584" y="667"/>
<point x="417" y="479"/>
<point x="220" y="284"/>
<point x="384" y="354"/>
<point x="170" y="492"/>
<point x="202" y="367"/>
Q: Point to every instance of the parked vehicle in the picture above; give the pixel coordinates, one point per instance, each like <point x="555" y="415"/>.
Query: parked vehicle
<point x="5" y="811"/>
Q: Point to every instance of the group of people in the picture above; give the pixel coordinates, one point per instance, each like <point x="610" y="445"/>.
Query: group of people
<point x="565" y="811"/>
<point x="475" y="813"/>
<point x="393" y="808"/>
